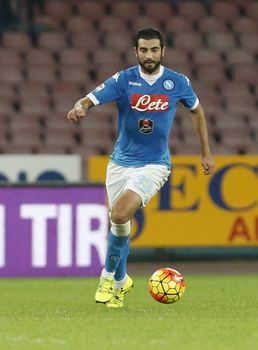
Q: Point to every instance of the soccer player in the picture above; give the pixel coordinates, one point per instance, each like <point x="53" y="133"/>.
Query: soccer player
<point x="146" y="97"/>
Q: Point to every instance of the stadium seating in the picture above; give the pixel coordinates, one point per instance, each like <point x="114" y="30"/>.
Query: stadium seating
<point x="80" y="43"/>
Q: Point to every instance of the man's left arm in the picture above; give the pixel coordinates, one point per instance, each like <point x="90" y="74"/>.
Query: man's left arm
<point x="200" y="126"/>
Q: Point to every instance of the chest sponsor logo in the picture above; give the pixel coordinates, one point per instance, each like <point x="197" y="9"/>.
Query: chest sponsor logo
<point x="146" y="126"/>
<point x="149" y="103"/>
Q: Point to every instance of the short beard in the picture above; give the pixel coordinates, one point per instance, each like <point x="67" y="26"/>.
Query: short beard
<point x="150" y="70"/>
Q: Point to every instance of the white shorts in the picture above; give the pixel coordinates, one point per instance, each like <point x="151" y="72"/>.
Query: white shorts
<point x="146" y="181"/>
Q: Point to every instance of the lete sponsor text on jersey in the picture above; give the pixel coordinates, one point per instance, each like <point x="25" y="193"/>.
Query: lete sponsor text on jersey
<point x="149" y="103"/>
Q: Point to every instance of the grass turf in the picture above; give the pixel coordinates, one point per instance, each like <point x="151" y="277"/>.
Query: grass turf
<point x="216" y="312"/>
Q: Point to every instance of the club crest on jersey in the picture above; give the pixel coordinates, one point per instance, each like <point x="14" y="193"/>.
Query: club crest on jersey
<point x="168" y="84"/>
<point x="149" y="103"/>
<point x="146" y="125"/>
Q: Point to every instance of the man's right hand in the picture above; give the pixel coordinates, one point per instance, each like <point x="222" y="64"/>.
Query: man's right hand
<point x="76" y="113"/>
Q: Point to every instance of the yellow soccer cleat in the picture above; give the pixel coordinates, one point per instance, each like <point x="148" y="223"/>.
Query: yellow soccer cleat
<point x="105" y="290"/>
<point x="117" y="299"/>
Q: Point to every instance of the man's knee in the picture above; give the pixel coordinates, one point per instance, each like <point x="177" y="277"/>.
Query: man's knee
<point x="119" y="216"/>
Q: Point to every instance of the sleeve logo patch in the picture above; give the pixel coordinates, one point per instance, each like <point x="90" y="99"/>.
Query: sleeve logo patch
<point x="100" y="87"/>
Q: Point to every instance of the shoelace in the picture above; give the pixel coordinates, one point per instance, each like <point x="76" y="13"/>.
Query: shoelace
<point x="105" y="286"/>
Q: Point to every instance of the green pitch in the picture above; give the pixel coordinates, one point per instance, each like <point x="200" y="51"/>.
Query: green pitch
<point x="215" y="313"/>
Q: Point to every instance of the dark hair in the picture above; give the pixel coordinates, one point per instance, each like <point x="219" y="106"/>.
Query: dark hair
<point x="147" y="34"/>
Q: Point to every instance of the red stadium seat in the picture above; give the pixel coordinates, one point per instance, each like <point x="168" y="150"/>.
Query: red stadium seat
<point x="118" y="42"/>
<point x="192" y="9"/>
<point x="240" y="104"/>
<point x="206" y="56"/>
<point x="231" y="121"/>
<point x="103" y="56"/>
<point x="113" y="24"/>
<point x="160" y="10"/>
<point x="59" y="121"/>
<point x="57" y="137"/>
<point x="28" y="138"/>
<point x="248" y="41"/>
<point x="53" y="40"/>
<point x="10" y="73"/>
<point x="178" y="24"/>
<point x="7" y="90"/>
<point x="24" y="121"/>
<point x="33" y="88"/>
<point x="92" y="9"/>
<point x="65" y="87"/>
<point x="91" y="139"/>
<point x="7" y="105"/>
<point x="74" y="74"/>
<point x="73" y="57"/>
<point x="85" y="40"/>
<point x="253" y="121"/>
<point x="10" y="56"/>
<point x="221" y="40"/>
<point x="58" y="9"/>
<point x="252" y="9"/>
<point x="35" y="105"/>
<point x="125" y="9"/>
<point x="238" y="56"/>
<point x="187" y="40"/>
<point x="144" y="21"/>
<point x="41" y="73"/>
<point x="245" y="73"/>
<point x="65" y="102"/>
<point x="39" y="56"/>
<point x="234" y="88"/>
<point x="225" y="10"/>
<point x="18" y="40"/>
<point x="212" y="24"/>
<point x="175" y="56"/>
<point x="79" y="23"/>
<point x="237" y="137"/>
<point x="212" y="73"/>
<point x="245" y="25"/>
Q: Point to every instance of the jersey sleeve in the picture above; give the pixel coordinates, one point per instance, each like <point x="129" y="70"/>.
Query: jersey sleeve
<point x="189" y="98"/>
<point x="108" y="91"/>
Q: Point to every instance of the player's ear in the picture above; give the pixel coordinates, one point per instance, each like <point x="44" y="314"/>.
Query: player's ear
<point x="135" y="51"/>
<point x="163" y="51"/>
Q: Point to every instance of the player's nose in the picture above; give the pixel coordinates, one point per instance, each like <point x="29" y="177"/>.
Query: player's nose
<point x="149" y="54"/>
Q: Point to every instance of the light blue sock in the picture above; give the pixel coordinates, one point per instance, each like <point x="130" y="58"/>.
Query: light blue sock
<point x="122" y="266"/>
<point x="116" y="246"/>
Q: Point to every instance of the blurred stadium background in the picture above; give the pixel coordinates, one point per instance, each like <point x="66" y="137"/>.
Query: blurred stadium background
<point x="52" y="52"/>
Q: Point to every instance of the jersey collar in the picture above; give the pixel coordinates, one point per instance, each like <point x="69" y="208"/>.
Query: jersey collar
<point x="151" y="79"/>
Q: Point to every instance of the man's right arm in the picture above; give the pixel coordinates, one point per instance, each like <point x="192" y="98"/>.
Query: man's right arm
<point x="80" y="109"/>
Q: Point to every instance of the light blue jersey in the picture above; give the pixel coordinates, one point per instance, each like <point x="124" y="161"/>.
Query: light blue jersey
<point x="145" y="113"/>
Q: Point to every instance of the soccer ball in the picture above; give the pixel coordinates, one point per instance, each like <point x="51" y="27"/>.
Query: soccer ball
<point x="166" y="285"/>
